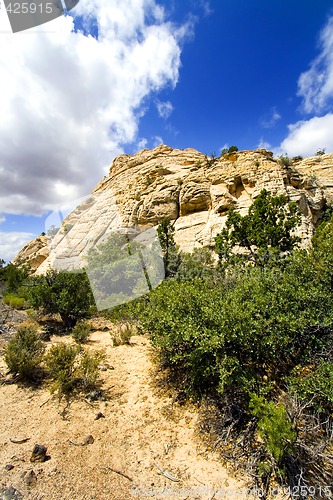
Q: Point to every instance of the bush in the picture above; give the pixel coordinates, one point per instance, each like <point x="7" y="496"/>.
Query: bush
<point x="314" y="385"/>
<point x="64" y="293"/>
<point x="81" y="332"/>
<point x="24" y="354"/>
<point x="123" y="334"/>
<point x="70" y="367"/>
<point x="14" y="277"/>
<point x="62" y="368"/>
<point x="14" y="301"/>
<point x="274" y="427"/>
<point x="285" y="161"/>
<point x="88" y="368"/>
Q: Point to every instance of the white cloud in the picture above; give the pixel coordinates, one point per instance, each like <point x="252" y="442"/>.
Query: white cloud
<point x="69" y="102"/>
<point x="307" y="136"/>
<point x="315" y="86"/>
<point x="271" y="119"/>
<point x="264" y="144"/>
<point x="2" y="218"/>
<point x="11" y="243"/>
<point x="142" y="143"/>
<point x="157" y="140"/>
<point x="164" y="109"/>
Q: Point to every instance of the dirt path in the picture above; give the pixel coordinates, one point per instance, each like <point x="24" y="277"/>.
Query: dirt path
<point x="143" y="433"/>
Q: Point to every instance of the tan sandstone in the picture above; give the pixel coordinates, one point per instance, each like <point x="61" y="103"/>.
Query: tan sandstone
<point x="189" y="188"/>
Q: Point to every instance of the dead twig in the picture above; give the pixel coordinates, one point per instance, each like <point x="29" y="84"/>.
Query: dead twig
<point x="116" y="471"/>
<point x="166" y="473"/>
<point x="19" y="441"/>
<point x="44" y="402"/>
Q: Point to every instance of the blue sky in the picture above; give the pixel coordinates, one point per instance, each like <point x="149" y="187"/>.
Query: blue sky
<point x="114" y="78"/>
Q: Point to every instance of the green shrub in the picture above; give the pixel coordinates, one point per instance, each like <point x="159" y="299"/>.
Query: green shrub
<point x="72" y="368"/>
<point x="314" y="386"/>
<point x="24" y="354"/>
<point x="81" y="332"/>
<point x="285" y="161"/>
<point x="65" y="293"/>
<point x="88" y="368"/>
<point x="61" y="363"/>
<point x="274" y="427"/>
<point x="14" y="301"/>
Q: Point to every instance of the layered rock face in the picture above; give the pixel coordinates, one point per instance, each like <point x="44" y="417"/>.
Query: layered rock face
<point x="193" y="191"/>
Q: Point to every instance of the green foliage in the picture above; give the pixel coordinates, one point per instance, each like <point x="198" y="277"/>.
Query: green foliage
<point x="265" y="233"/>
<point x="274" y="427"/>
<point x="232" y="149"/>
<point x="183" y="319"/>
<point x="52" y="230"/>
<point x="24" y="354"/>
<point x="81" y="332"/>
<point x="285" y="161"/>
<point x="14" y="277"/>
<point x="62" y="368"/>
<point x="198" y="264"/>
<point x="320" y="151"/>
<point x="165" y="233"/>
<point x="70" y="367"/>
<point x="13" y="301"/>
<point x="314" y="386"/>
<point x="88" y="368"/>
<point x="118" y="272"/>
<point x="297" y="158"/>
<point x="123" y="333"/>
<point x="65" y="293"/>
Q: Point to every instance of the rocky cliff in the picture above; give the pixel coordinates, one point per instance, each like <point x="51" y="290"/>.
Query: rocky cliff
<point x="189" y="188"/>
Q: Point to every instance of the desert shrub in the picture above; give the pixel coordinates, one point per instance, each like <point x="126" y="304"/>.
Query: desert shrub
<point x="14" y="301"/>
<point x="72" y="368"/>
<point x="285" y="161"/>
<point x="81" y="332"/>
<point x="123" y="334"/>
<point x="68" y="294"/>
<point x="61" y="363"/>
<point x="24" y="354"/>
<point x="14" y="276"/>
<point x="88" y="368"/>
<point x="313" y="385"/>
<point x="274" y="427"/>
<point x="198" y="264"/>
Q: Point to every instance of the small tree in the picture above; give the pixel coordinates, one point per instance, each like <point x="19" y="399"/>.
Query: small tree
<point x="171" y="259"/>
<point x="265" y="232"/>
<point x="65" y="293"/>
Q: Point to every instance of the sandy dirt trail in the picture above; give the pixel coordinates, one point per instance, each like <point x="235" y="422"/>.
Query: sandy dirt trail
<point x="145" y="446"/>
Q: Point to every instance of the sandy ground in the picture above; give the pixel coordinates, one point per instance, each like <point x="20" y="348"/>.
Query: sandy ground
<point x="144" y="437"/>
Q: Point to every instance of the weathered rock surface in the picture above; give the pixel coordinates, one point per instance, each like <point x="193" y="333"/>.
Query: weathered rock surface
<point x="190" y="189"/>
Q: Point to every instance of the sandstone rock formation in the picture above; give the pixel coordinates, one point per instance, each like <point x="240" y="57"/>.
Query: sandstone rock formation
<point x="192" y="190"/>
<point x="33" y="253"/>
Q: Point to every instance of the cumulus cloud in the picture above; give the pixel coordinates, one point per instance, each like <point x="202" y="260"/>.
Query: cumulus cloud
<point x="270" y="120"/>
<point x="70" y="100"/>
<point x="307" y="136"/>
<point x="164" y="109"/>
<point x="315" y="86"/>
<point x="12" y="243"/>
